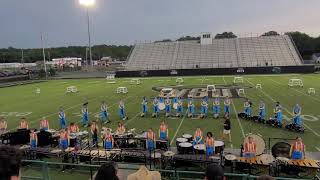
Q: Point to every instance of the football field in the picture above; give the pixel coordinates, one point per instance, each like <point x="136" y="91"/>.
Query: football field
<point x="23" y="101"/>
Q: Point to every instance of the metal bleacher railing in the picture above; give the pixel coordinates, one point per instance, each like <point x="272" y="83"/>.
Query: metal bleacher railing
<point x="170" y="174"/>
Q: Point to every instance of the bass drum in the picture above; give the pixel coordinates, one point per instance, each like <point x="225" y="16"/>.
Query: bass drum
<point x="281" y="149"/>
<point x="258" y="140"/>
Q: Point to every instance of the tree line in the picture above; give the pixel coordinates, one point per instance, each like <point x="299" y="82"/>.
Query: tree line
<point x="306" y="45"/>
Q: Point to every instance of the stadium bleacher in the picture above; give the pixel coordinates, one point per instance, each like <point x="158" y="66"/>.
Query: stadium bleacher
<point x="221" y="53"/>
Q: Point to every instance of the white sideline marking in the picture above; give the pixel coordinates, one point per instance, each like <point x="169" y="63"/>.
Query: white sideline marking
<point x="175" y="134"/>
<point x="93" y="82"/>
<point x="314" y="132"/>
<point x="235" y="110"/>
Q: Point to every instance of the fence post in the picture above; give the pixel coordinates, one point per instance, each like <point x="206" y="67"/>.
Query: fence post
<point x="45" y="171"/>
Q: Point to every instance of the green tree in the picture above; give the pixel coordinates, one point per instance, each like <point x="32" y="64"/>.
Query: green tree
<point x="271" y="33"/>
<point x="225" y="35"/>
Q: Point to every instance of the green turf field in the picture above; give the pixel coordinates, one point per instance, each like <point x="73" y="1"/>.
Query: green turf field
<point x="22" y="101"/>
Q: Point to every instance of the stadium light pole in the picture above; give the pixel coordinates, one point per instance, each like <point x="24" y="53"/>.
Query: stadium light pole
<point x="87" y="4"/>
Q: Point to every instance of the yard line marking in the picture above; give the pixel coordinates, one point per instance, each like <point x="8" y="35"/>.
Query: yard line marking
<point x="318" y="148"/>
<point x="297" y="91"/>
<point x="313" y="131"/>
<point x="93" y="82"/>
<point x="235" y="110"/>
<point x="134" y="117"/>
<point x="181" y="122"/>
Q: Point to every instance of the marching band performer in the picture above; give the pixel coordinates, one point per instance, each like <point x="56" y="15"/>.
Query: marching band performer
<point x="108" y="139"/>
<point x="122" y="112"/>
<point x="23" y="124"/>
<point x="144" y="107"/>
<point x="104" y="112"/>
<point x="44" y="124"/>
<point x="85" y="115"/>
<point x="262" y="111"/>
<point x="3" y="125"/>
<point x="94" y="132"/>
<point x="151" y="140"/>
<point x="298" y="149"/>
<point x="64" y="139"/>
<point x="167" y="103"/>
<point x="163" y="131"/>
<point x="62" y="118"/>
<point x="250" y="148"/>
<point x="155" y="107"/>
<point x="210" y="144"/>
<point x="204" y="108"/>
<point x="198" y="136"/>
<point x="297" y="115"/>
<point x="161" y="95"/>
<point x="216" y="107"/>
<point x="191" y="109"/>
<point x="73" y="128"/>
<point x="33" y="139"/>
<point x="247" y="108"/>
<point x="278" y="113"/>
<point x="121" y="129"/>
<point x="227" y="103"/>
<point x="179" y="110"/>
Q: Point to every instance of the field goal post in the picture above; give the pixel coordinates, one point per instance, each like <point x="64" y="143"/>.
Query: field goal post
<point x="238" y="79"/>
<point x="111" y="76"/>
<point x="295" y="82"/>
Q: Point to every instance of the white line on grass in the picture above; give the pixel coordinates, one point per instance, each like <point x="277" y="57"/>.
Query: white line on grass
<point x="314" y="132"/>
<point x="318" y="148"/>
<point x="235" y="110"/>
<point x="71" y="107"/>
<point x="298" y="91"/>
<point x="175" y="134"/>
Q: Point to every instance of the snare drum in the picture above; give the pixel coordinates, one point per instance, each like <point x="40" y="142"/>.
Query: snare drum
<point x="160" y="144"/>
<point x="185" y="148"/>
<point x="188" y="136"/>
<point x="219" y="146"/>
<point x="199" y="149"/>
<point x="162" y="106"/>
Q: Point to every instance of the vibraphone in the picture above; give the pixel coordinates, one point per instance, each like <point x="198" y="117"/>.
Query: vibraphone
<point x="254" y="165"/>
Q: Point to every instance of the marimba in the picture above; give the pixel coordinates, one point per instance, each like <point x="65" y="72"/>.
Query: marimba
<point x="258" y="164"/>
<point x="309" y="166"/>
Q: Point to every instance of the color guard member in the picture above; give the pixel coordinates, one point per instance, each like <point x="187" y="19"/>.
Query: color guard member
<point x="216" y="107"/>
<point x="204" y="108"/>
<point x="122" y="112"/>
<point x="297" y="115"/>
<point x="191" y="109"/>
<point x="179" y="111"/>
<point x="278" y="113"/>
<point x="85" y="115"/>
<point x="247" y="108"/>
<point x="62" y="118"/>
<point x="155" y="107"/>
<point x="167" y="103"/>
<point x="227" y="103"/>
<point x="262" y="111"/>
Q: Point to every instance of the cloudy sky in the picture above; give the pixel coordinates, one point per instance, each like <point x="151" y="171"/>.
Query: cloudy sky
<point x="125" y="21"/>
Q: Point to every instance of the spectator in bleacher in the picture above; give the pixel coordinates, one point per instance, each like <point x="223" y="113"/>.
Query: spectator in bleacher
<point x="10" y="162"/>
<point x="214" y="172"/>
<point x="107" y="171"/>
